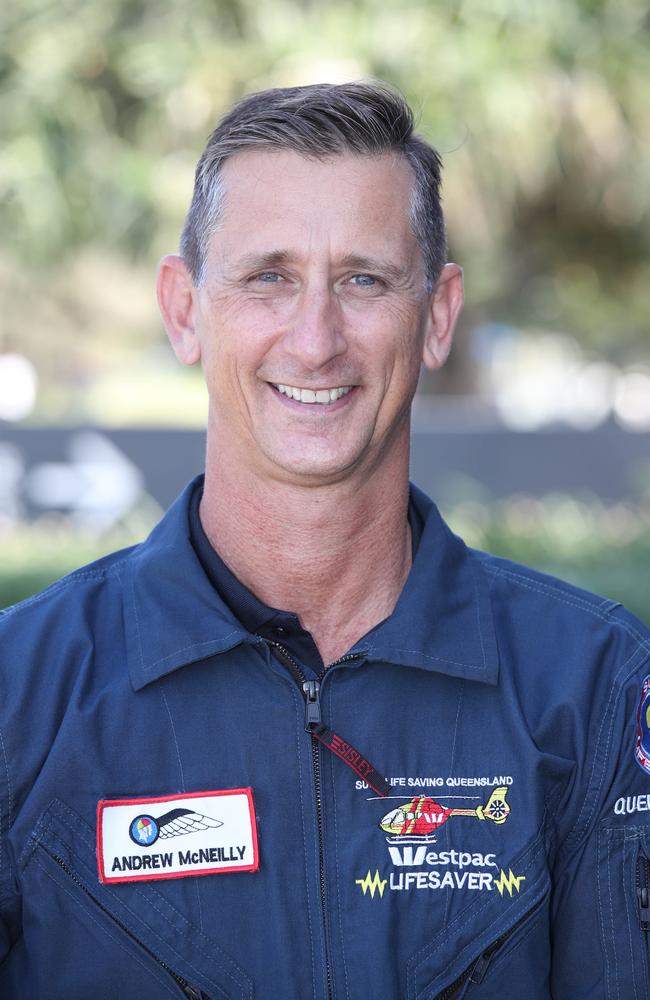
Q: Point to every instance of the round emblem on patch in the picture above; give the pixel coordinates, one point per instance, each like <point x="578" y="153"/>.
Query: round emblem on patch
<point x="144" y="830"/>
<point x="642" y="745"/>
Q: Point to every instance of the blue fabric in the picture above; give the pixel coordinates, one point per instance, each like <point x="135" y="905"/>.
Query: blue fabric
<point x="502" y="705"/>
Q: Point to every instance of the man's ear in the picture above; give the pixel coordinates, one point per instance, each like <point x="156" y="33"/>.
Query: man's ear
<point x="444" y="309"/>
<point x="176" y="301"/>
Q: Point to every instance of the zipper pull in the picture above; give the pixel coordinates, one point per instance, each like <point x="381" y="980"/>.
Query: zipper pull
<point x="644" y="907"/>
<point x="340" y="747"/>
<point x="193" y="993"/>
<point x="312" y="705"/>
<point x="480" y="967"/>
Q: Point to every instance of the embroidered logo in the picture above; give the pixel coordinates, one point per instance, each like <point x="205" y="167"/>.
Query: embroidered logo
<point x="508" y="882"/>
<point x="415" y="864"/>
<point x="372" y="884"/>
<point x="145" y="830"/>
<point x="418" y="820"/>
<point x="642" y="745"/>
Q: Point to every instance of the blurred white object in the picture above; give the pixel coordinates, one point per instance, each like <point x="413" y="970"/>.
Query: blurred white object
<point x="99" y="485"/>
<point x="18" y="386"/>
<point x="632" y="402"/>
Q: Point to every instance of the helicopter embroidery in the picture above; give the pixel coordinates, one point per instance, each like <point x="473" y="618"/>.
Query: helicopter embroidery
<point x="418" y="820"/>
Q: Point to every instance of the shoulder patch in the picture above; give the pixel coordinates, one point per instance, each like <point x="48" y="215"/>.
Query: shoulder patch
<point x="642" y="745"/>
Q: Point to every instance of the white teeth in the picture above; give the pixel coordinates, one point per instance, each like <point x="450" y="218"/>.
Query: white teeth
<point x="321" y="396"/>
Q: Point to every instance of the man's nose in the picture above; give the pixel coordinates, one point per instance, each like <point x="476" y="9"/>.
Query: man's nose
<point x="316" y="335"/>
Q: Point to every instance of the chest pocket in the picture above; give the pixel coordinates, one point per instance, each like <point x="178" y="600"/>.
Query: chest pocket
<point x="129" y="935"/>
<point x="489" y="935"/>
<point x="624" y="909"/>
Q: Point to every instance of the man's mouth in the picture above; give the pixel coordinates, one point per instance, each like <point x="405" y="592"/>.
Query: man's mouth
<point x="321" y="396"/>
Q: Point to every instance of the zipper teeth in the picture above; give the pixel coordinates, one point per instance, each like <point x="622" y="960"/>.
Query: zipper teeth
<point x="450" y="991"/>
<point x="454" y="987"/>
<point x="643" y="863"/>
<point x="183" y="983"/>
<point x="321" y="857"/>
<point x="294" y="667"/>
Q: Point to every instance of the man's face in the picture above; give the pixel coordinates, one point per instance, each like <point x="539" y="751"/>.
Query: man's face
<point x="313" y="318"/>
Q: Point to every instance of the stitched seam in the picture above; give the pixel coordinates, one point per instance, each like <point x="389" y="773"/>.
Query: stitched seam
<point x="105" y="931"/>
<point x="81" y="832"/>
<point x="616" y="691"/>
<point x="426" y="953"/>
<point x="632" y="962"/>
<point x="451" y="771"/>
<point x="602" y="918"/>
<point x="506" y="954"/>
<point x="437" y="659"/>
<point x="182" y="649"/>
<point x="137" y="624"/>
<point x="54" y="588"/>
<point x="171" y="722"/>
<point x="478" y="621"/>
<point x="611" y="911"/>
<point x="468" y="947"/>
<point x="221" y="968"/>
<point x="224" y="959"/>
<point x="184" y="786"/>
<point x="10" y="803"/>
<point x="576" y="602"/>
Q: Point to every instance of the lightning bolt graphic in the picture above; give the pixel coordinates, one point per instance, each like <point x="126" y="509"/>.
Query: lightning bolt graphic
<point x="508" y="882"/>
<point x="372" y="884"/>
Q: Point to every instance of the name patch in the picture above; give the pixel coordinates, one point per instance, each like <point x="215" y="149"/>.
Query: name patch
<point x="200" y="833"/>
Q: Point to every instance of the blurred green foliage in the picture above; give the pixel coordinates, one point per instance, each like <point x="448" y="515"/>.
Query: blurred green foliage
<point x="541" y="107"/>
<point x="603" y="548"/>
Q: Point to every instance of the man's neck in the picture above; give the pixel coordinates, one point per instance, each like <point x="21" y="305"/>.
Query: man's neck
<point x="336" y="555"/>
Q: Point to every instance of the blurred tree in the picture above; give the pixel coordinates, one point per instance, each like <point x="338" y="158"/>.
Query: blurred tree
<point x="542" y="110"/>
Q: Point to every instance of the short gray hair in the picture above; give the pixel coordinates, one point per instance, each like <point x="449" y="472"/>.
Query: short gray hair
<point x="320" y="121"/>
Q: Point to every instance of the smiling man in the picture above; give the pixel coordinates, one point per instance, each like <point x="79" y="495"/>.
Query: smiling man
<point x="303" y="743"/>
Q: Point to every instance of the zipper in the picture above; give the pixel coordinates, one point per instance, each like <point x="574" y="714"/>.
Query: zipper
<point x="322" y="734"/>
<point x="475" y="973"/>
<point x="190" y="991"/>
<point x="313" y="720"/>
<point x="643" y="890"/>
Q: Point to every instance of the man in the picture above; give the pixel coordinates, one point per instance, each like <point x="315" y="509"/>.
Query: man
<point x="302" y="742"/>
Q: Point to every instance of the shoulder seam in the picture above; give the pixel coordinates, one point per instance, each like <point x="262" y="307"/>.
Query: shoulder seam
<point x="59" y="585"/>
<point x="617" y="690"/>
<point x="575" y="602"/>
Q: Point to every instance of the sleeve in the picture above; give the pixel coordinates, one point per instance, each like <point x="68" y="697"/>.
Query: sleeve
<point x="9" y="900"/>
<point x="601" y="876"/>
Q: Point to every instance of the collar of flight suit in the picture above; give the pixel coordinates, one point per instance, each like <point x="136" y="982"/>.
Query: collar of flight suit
<point x="441" y="622"/>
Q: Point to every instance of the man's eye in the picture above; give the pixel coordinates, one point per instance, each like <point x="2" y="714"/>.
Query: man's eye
<point x="363" y="280"/>
<point x="268" y="277"/>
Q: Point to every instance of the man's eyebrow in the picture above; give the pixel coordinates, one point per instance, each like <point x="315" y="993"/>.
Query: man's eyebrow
<point x="276" y="258"/>
<point x="262" y="261"/>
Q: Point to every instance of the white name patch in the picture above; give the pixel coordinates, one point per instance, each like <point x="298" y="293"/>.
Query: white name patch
<point x="200" y="833"/>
